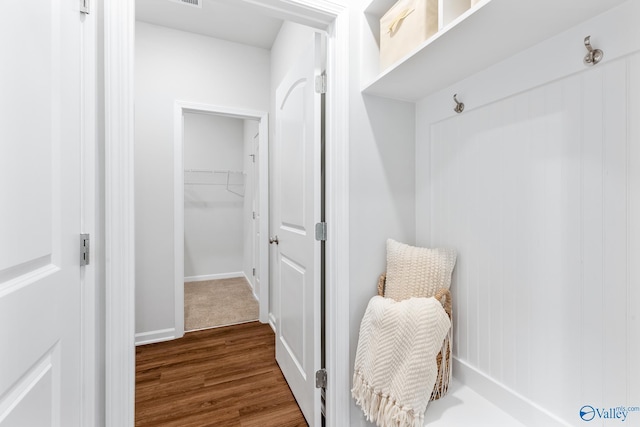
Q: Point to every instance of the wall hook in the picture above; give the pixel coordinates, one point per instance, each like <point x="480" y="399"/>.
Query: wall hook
<point x="594" y="55"/>
<point x="459" y="108"/>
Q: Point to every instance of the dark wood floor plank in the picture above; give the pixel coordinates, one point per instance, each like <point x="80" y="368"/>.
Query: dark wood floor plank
<point x="224" y="377"/>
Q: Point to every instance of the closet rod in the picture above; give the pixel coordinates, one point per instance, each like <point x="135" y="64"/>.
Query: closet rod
<point x="212" y="171"/>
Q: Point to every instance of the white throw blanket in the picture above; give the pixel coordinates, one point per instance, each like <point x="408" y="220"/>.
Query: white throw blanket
<point x="395" y="367"/>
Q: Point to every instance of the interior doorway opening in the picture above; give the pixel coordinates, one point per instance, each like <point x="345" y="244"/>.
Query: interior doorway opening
<point x="221" y="220"/>
<point x="119" y="196"/>
<point x="220" y="184"/>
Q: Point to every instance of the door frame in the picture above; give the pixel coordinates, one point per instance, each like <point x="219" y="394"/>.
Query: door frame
<point x="119" y="42"/>
<point x="181" y="107"/>
<point x="91" y="274"/>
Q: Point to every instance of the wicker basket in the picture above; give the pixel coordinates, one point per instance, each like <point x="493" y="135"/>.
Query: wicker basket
<point x="444" y="368"/>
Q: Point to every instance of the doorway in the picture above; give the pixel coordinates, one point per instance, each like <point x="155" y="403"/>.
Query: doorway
<point x="220" y="181"/>
<point x="119" y="35"/>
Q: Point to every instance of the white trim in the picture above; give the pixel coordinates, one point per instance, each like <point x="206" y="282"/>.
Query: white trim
<point x="180" y="107"/>
<point x="89" y="336"/>
<point x="218" y="276"/>
<point x="155" y="336"/>
<point x="503" y="397"/>
<point x="119" y="38"/>
<point x="119" y="45"/>
<point x="338" y="400"/>
<point x="272" y="322"/>
<point x="222" y="325"/>
<point x="253" y="290"/>
<point x="223" y="110"/>
<point x="263" y="179"/>
<point x="313" y="13"/>
<point x="178" y="216"/>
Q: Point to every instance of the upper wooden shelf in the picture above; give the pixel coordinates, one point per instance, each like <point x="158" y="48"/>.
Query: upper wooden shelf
<point x="480" y="37"/>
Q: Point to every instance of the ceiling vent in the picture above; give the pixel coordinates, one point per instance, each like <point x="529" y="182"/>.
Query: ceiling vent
<point x="193" y="3"/>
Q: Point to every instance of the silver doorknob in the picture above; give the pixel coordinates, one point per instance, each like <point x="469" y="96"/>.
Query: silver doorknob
<point x="273" y="240"/>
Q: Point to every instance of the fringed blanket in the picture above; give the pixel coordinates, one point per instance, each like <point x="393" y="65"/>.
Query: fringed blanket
<point x="395" y="367"/>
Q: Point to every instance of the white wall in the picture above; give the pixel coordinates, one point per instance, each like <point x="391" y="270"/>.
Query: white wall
<point x="381" y="174"/>
<point x="213" y="215"/>
<point x="382" y="180"/>
<point x="537" y="185"/>
<point x="173" y="65"/>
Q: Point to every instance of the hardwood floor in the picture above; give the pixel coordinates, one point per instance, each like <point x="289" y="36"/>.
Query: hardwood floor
<point x="217" y="377"/>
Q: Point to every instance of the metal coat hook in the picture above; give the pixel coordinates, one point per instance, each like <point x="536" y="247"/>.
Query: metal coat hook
<point x="594" y="55"/>
<point x="459" y="108"/>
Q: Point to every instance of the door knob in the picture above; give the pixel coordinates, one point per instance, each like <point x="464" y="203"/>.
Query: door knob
<point x="273" y="240"/>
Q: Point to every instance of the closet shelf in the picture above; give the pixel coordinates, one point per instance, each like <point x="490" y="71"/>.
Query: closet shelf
<point x="491" y="31"/>
<point x="225" y="171"/>
<point x="233" y="180"/>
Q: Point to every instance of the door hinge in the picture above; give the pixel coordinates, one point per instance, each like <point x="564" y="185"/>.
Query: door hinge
<point x="84" y="249"/>
<point x="254" y="272"/>
<point x="321" y="231"/>
<point x="253" y="215"/>
<point x="321" y="378"/>
<point x="84" y="6"/>
<point x="321" y="83"/>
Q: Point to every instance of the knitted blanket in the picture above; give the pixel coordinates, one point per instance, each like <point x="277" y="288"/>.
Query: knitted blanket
<point x="395" y="367"/>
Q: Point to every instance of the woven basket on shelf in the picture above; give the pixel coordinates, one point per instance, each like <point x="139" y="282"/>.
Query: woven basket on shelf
<point x="444" y="367"/>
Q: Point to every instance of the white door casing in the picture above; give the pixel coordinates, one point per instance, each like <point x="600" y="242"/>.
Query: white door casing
<point x="296" y="206"/>
<point x="255" y="203"/>
<point x="40" y="188"/>
<point x="181" y="107"/>
<point x="119" y="18"/>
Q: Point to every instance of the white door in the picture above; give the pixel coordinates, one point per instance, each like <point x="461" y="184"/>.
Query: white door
<point x="40" y="213"/>
<point x="297" y="209"/>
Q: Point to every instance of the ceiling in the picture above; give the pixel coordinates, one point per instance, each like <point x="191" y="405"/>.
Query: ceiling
<point x="233" y="21"/>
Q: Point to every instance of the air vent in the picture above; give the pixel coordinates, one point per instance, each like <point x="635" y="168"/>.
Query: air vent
<point x="193" y="3"/>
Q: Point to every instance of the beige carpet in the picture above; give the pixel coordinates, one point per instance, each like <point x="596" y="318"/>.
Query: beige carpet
<point x="214" y="303"/>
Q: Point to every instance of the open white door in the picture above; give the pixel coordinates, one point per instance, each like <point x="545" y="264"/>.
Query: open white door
<point x="296" y="205"/>
<point x="40" y="83"/>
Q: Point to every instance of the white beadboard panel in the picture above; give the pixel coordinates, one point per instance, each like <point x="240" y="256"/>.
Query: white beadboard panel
<point x="616" y="225"/>
<point x="523" y="215"/>
<point x="540" y="194"/>
<point x="633" y="191"/>
<point x="592" y="242"/>
<point x="508" y="219"/>
<point x="615" y="32"/>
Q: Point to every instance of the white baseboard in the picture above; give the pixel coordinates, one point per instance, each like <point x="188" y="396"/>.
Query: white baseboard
<point x="272" y="322"/>
<point x="249" y="281"/>
<point x="155" y="336"/>
<point x="510" y="401"/>
<point x="253" y="288"/>
<point x="218" y="276"/>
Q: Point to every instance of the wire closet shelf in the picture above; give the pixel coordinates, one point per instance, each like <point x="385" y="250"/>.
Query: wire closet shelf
<point x="232" y="180"/>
